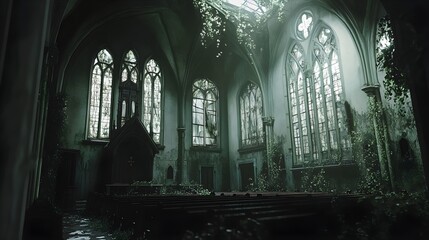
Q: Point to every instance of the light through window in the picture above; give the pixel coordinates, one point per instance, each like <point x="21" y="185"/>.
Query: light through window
<point x="251" y="113"/>
<point x="304" y="25"/>
<point x="100" y="96"/>
<point x="204" y="108"/>
<point x="317" y="105"/>
<point x="152" y="99"/>
<point x="248" y="5"/>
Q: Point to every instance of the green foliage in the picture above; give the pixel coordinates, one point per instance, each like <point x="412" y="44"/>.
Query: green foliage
<point x="179" y="189"/>
<point x="55" y="124"/>
<point x="395" y="81"/>
<point x="214" y="21"/>
<point x="271" y="178"/>
<point x="315" y="180"/>
<point x="388" y="216"/>
<point x="365" y="150"/>
<point x="185" y="189"/>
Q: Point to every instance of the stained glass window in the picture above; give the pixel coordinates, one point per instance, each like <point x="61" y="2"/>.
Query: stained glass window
<point x="152" y="99"/>
<point x="316" y="101"/>
<point x="128" y="90"/>
<point x="129" y="67"/>
<point x="304" y="25"/>
<point x="204" y="108"/>
<point x="251" y="112"/>
<point x="100" y="96"/>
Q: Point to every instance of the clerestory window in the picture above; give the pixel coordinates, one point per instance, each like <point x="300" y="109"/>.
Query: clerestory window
<point x="100" y="96"/>
<point x="204" y="113"/>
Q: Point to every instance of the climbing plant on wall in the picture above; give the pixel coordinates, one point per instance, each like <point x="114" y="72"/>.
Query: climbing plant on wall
<point x="55" y="124"/>
<point x="395" y="81"/>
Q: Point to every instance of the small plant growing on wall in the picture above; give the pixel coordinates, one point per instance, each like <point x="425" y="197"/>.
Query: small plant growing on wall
<point x="271" y="177"/>
<point x="55" y="124"/>
<point x="314" y="180"/>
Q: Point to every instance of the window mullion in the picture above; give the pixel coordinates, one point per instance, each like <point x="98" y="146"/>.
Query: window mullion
<point x="152" y="107"/>
<point x="316" y="121"/>
<point x="334" y="105"/>
<point x="307" y="113"/>
<point x="325" y="110"/>
<point x="100" y="109"/>
<point x="299" y="120"/>
<point x="204" y="118"/>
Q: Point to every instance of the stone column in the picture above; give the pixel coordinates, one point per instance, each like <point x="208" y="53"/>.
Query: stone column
<point x="19" y="91"/>
<point x="381" y="135"/>
<point x="182" y="167"/>
<point x="269" y="138"/>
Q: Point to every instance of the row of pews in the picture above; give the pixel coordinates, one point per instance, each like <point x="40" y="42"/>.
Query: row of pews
<point x="293" y="215"/>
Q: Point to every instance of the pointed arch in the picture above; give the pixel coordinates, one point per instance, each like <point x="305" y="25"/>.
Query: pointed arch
<point x="251" y="112"/>
<point x="152" y="101"/>
<point x="128" y="88"/>
<point x="334" y="140"/>
<point x="129" y="69"/>
<point x="100" y="96"/>
<point x="205" y="97"/>
<point x="315" y="88"/>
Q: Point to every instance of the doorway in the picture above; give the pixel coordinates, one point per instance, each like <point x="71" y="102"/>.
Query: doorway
<point x="207" y="175"/>
<point x="247" y="174"/>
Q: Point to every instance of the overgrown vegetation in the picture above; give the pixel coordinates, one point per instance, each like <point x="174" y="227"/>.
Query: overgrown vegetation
<point x="315" y="180"/>
<point x="55" y="124"/>
<point x="215" y="19"/>
<point x="179" y="189"/>
<point x="271" y="178"/>
<point x="395" y="81"/>
<point x="392" y="215"/>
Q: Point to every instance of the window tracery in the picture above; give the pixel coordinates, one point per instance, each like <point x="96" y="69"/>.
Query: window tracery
<point x="204" y="113"/>
<point x="317" y="103"/>
<point x="100" y="96"/>
<point x="251" y="112"/>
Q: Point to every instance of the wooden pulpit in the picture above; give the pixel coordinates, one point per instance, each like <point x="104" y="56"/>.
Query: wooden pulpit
<point x="130" y="153"/>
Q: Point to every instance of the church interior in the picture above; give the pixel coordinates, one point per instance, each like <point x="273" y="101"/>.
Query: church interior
<point x="271" y="114"/>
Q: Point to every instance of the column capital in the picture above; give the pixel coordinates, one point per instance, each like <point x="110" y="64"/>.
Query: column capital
<point x="370" y="90"/>
<point x="268" y="120"/>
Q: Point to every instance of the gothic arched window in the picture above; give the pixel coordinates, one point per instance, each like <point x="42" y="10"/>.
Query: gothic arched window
<point x="251" y="112"/>
<point x="152" y="99"/>
<point x="204" y="117"/>
<point x="334" y="138"/>
<point x="128" y="88"/>
<point x="100" y="96"/>
<point x="302" y="109"/>
<point x="317" y="103"/>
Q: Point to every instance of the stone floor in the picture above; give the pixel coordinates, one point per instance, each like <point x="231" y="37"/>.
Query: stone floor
<point x="77" y="227"/>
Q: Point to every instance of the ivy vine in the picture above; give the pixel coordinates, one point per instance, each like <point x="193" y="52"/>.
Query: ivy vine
<point x="395" y="81"/>
<point x="214" y="17"/>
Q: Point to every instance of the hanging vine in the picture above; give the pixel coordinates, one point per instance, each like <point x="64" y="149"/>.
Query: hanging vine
<point x="395" y="81"/>
<point x="214" y="16"/>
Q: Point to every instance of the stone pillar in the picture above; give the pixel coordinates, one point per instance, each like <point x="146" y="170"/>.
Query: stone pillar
<point x="381" y="135"/>
<point x="181" y="176"/>
<point x="19" y="91"/>
<point x="269" y="138"/>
